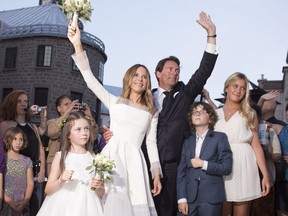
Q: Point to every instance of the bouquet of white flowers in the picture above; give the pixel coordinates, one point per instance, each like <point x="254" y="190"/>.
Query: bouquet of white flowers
<point x="102" y="166"/>
<point x="81" y="9"/>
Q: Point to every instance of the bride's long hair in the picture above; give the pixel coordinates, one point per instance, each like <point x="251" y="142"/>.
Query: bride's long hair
<point x="146" y="97"/>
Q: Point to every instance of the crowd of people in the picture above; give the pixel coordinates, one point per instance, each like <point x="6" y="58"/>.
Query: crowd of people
<point x="172" y="156"/>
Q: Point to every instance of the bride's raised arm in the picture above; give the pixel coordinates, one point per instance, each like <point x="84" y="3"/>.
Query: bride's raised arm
<point x="82" y="62"/>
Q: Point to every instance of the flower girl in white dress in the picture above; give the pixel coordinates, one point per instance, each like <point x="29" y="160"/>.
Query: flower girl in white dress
<point x="69" y="184"/>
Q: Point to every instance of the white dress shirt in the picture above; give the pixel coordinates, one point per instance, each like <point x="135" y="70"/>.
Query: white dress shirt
<point x="158" y="98"/>
<point x="199" y="144"/>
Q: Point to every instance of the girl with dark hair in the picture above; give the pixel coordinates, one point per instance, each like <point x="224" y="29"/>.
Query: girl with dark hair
<point x="69" y="184"/>
<point x="64" y="106"/>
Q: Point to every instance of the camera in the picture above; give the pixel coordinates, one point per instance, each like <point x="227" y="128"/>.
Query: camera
<point x="41" y="109"/>
<point x="36" y="167"/>
<point x="82" y="106"/>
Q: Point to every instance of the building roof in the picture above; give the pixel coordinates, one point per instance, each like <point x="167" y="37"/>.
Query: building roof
<point x="113" y="90"/>
<point x="43" y="20"/>
<point x="43" y="14"/>
<point x="271" y="84"/>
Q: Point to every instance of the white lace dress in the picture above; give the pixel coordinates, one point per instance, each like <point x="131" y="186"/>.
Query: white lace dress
<point x="75" y="197"/>
<point x="130" y="191"/>
<point x="243" y="184"/>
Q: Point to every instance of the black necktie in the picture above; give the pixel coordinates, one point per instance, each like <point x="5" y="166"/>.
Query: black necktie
<point x="165" y="99"/>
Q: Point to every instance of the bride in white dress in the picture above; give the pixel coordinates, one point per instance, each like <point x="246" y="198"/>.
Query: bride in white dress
<point x="132" y="118"/>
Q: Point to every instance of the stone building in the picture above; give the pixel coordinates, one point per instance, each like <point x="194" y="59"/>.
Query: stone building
<point x="282" y="87"/>
<point x="35" y="56"/>
<point x="104" y="114"/>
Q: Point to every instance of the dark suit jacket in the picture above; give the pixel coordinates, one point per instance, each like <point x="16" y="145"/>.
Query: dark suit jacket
<point x="191" y="181"/>
<point x="172" y="129"/>
<point x="172" y="124"/>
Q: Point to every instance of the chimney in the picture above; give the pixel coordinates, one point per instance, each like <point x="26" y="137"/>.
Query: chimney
<point x="45" y="2"/>
<point x="48" y="2"/>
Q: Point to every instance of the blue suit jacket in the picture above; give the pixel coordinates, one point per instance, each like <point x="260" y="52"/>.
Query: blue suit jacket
<point x="209" y="183"/>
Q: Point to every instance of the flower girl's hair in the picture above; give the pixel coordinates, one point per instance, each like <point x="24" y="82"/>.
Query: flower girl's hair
<point x="64" y="138"/>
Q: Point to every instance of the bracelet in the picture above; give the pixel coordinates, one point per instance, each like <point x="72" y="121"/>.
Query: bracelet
<point x="213" y="36"/>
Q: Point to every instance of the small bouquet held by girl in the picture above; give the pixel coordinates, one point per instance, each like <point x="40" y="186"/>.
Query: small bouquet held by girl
<point x="102" y="166"/>
<point x="75" y="9"/>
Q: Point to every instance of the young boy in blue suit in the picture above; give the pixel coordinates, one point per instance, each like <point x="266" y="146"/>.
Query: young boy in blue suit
<point x="206" y="157"/>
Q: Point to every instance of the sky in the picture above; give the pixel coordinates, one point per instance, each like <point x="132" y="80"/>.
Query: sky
<point x="252" y="36"/>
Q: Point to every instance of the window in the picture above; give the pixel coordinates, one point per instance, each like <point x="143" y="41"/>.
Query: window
<point x="74" y="66"/>
<point x="101" y="71"/>
<point x="6" y="91"/>
<point x="10" y="58"/>
<point x="44" y="56"/>
<point x="76" y="96"/>
<point x="41" y="96"/>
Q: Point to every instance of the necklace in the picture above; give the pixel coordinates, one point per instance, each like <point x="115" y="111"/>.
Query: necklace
<point x="230" y="112"/>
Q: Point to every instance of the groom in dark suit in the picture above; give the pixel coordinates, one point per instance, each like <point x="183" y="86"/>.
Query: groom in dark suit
<point x="172" y="99"/>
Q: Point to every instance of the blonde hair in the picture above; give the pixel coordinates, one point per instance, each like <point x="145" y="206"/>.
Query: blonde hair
<point x="245" y="109"/>
<point x="146" y="97"/>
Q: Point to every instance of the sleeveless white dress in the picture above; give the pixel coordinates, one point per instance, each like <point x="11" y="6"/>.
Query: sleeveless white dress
<point x="129" y="193"/>
<point x="243" y="184"/>
<point x="75" y="197"/>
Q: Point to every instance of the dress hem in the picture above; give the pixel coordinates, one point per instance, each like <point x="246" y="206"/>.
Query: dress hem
<point x="244" y="199"/>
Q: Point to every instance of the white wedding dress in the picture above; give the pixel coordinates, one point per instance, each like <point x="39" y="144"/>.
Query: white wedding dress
<point x="75" y="197"/>
<point x="129" y="193"/>
<point x="243" y="184"/>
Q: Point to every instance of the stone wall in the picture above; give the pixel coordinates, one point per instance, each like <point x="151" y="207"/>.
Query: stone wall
<point x="59" y="78"/>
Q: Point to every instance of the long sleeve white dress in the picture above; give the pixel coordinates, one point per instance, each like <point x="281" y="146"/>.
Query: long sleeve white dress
<point x="129" y="193"/>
